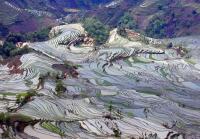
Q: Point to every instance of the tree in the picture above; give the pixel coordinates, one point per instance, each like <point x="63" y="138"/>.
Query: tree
<point x="122" y="31"/>
<point x="6" y="48"/>
<point x="40" y="35"/>
<point x="110" y="107"/>
<point x="96" y="29"/>
<point x="60" y="87"/>
<point x="9" y="48"/>
<point x="117" y="132"/>
<point x="156" y="28"/>
<point x="169" y="45"/>
<point x="20" y="51"/>
<point x="15" y="37"/>
<point x="127" y="21"/>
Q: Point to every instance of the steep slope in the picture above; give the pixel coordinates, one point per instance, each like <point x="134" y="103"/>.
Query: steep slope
<point x="155" y="18"/>
<point x="138" y="89"/>
<point x="29" y="15"/>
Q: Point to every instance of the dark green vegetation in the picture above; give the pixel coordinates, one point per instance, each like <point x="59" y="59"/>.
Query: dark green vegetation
<point x="127" y="21"/>
<point x="40" y="35"/>
<point x="110" y="107"/>
<point x="10" y="50"/>
<point x="23" y="98"/>
<point x="60" y="88"/>
<point x="52" y="128"/>
<point x="96" y="30"/>
<point x="156" y="28"/>
<point x="161" y="19"/>
<point x="9" y="47"/>
<point x="117" y="132"/>
<point x="7" y="118"/>
<point x="15" y="122"/>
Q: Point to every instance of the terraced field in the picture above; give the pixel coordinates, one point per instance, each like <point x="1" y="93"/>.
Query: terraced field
<point x="125" y="89"/>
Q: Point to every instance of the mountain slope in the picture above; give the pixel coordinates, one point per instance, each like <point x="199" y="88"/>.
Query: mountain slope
<point x="31" y="15"/>
<point x="156" y="18"/>
<point x="127" y="89"/>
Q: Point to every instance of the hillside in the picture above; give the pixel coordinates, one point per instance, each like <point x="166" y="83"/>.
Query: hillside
<point x="29" y="16"/>
<point x="99" y="69"/>
<point x="154" y="18"/>
<point x="135" y="87"/>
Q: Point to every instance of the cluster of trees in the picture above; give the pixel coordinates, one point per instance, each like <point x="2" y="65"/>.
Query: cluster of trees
<point x="96" y="30"/>
<point x="9" y="47"/>
<point x="6" y="49"/>
<point x="100" y="32"/>
<point x="41" y="35"/>
<point x="156" y="28"/>
<point x="126" y="22"/>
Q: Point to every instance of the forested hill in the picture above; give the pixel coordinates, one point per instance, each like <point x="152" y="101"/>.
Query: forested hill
<point x="154" y="18"/>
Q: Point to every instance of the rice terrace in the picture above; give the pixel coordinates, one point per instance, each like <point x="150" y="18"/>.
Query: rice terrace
<point x="88" y="81"/>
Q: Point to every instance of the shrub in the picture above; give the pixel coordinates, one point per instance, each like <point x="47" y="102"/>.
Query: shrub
<point x="23" y="98"/>
<point x="110" y="107"/>
<point x="96" y="29"/>
<point x="2" y="118"/>
<point x="20" y="51"/>
<point x="6" y="48"/>
<point x="16" y="37"/>
<point x="169" y="45"/>
<point x="40" y="35"/>
<point x="60" y="87"/>
<point x="127" y="21"/>
<point x="53" y="128"/>
<point x="117" y="133"/>
<point x="121" y="31"/>
<point x="8" y="119"/>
